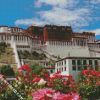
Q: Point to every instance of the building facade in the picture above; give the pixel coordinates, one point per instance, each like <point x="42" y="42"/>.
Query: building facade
<point x="52" y="40"/>
<point x="72" y="65"/>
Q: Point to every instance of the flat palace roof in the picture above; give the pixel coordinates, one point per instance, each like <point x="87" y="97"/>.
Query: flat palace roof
<point x="78" y="58"/>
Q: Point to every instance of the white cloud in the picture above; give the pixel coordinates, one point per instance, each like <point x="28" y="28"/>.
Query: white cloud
<point x="63" y="12"/>
<point x="66" y="17"/>
<point x="60" y="3"/>
<point x="96" y="31"/>
<point x="60" y="16"/>
<point x="29" y="22"/>
<point x="95" y="1"/>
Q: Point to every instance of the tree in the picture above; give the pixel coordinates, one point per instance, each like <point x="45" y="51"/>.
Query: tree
<point x="36" y="69"/>
<point x="8" y="44"/>
<point x="58" y="57"/>
<point x="3" y="44"/>
<point x="34" y="53"/>
<point x="6" y="70"/>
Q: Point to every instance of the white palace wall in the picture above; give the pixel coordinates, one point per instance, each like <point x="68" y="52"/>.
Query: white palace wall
<point x="67" y="50"/>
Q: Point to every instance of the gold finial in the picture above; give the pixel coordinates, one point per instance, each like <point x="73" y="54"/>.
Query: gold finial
<point x="33" y="25"/>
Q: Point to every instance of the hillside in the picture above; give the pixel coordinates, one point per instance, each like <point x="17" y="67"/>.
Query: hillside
<point x="31" y="55"/>
<point x="6" y="53"/>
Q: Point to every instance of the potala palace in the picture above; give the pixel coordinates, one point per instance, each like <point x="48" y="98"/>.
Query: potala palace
<point x="53" y="41"/>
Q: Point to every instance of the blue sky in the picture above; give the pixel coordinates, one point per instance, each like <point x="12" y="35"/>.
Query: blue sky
<point x="82" y="15"/>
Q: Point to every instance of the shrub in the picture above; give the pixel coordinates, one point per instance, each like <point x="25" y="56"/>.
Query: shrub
<point x="8" y="44"/>
<point x="3" y="44"/>
<point x="89" y="84"/>
<point x="6" y="70"/>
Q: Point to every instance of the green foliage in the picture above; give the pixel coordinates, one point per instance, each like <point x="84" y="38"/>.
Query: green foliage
<point x="35" y="68"/>
<point x="35" y="53"/>
<point x="80" y="76"/>
<point x="52" y="63"/>
<point x="44" y="71"/>
<point x="8" y="44"/>
<point x="31" y="55"/>
<point x="6" y="53"/>
<point x="6" y="70"/>
<point x="3" y="44"/>
<point x="58" y="57"/>
<point x="88" y="84"/>
<point x="2" y="47"/>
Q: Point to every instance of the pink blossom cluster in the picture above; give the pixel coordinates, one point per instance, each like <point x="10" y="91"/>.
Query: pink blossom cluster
<point x="48" y="94"/>
<point x="2" y="76"/>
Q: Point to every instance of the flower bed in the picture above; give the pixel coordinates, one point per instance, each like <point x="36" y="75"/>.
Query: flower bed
<point x="58" y="87"/>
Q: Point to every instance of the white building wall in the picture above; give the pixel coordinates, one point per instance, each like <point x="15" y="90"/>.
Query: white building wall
<point x="4" y="29"/>
<point x="67" y="68"/>
<point x="63" y="51"/>
<point x="13" y="45"/>
<point x="71" y="72"/>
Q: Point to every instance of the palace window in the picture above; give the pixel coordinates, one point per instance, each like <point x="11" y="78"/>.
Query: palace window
<point x="73" y="62"/>
<point x="65" y="68"/>
<point x="79" y="68"/>
<point x="90" y="62"/>
<point x="78" y="62"/>
<point x="74" y="68"/>
<point x="46" y="64"/>
<point x="85" y="67"/>
<point x="62" y="62"/>
<point x="84" y="62"/>
<point x="65" y="62"/>
<point x="16" y="37"/>
<point x="5" y="37"/>
<point x="96" y="62"/>
<point x="62" y="69"/>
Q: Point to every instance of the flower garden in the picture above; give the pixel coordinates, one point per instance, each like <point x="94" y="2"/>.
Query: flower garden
<point x="57" y="87"/>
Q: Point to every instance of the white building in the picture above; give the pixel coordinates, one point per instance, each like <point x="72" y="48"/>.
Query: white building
<point x="45" y="63"/>
<point x="71" y="65"/>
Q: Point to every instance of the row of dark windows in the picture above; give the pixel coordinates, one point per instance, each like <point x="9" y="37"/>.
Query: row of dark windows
<point x="61" y="43"/>
<point x="61" y="69"/>
<point x="23" y="46"/>
<point x="6" y="38"/>
<point x="61" y="63"/>
<point x="84" y="68"/>
<point x="84" y="62"/>
<point x="20" y="38"/>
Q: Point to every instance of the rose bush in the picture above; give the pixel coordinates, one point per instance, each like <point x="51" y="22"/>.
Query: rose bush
<point x="48" y="94"/>
<point x="58" y="87"/>
<point x="89" y="85"/>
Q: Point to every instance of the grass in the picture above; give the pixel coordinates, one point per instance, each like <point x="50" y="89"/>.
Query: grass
<point x="7" y="56"/>
<point x="15" y="68"/>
